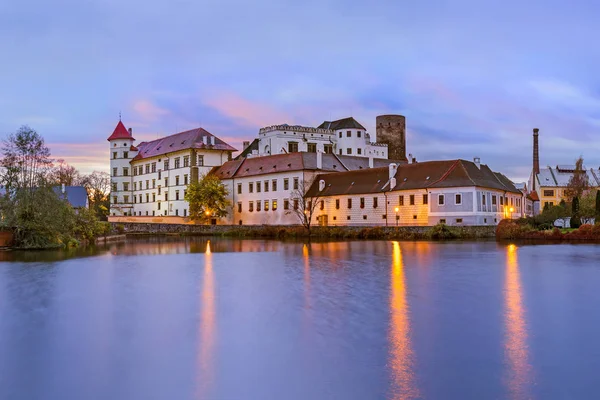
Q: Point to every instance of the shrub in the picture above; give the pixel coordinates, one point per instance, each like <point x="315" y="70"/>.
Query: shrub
<point x="120" y="228"/>
<point x="575" y="222"/>
<point x="443" y="232"/>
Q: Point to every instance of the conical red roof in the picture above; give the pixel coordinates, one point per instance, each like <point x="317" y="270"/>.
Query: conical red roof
<point x="120" y="132"/>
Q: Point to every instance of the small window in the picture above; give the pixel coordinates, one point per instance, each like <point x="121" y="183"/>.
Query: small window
<point x="348" y="218"/>
<point x="258" y="187"/>
<point x="494" y="200"/>
<point x="292" y="147"/>
<point x="442" y="221"/>
<point x="250" y="206"/>
<point x="425" y="199"/>
<point x="375" y="202"/>
<point x="177" y="180"/>
<point x="548" y="193"/>
<point x="200" y="160"/>
<point x="322" y="205"/>
<point x="358" y="133"/>
<point x="312" y="147"/>
<point x="362" y="202"/>
<point x="401" y="200"/>
<point x="295" y="183"/>
<point x="286" y="184"/>
<point x="286" y="204"/>
<point x="274" y="185"/>
<point x="186" y="161"/>
<point x="358" y="151"/>
<point x="266" y="186"/>
<point x="114" y="154"/>
<point x="483" y="198"/>
<point x="441" y="199"/>
<point x="337" y="204"/>
<point x="239" y="188"/>
<point x="349" y="203"/>
<point x="153" y="167"/>
<point x="274" y="205"/>
<point x="348" y="133"/>
<point x="412" y="199"/>
<point x="485" y="220"/>
<point x="258" y="205"/>
<point x="348" y="150"/>
<point x="177" y="195"/>
<point x="185" y="179"/>
<point x="266" y="205"/>
<point x="364" y="217"/>
<point x="250" y="187"/>
<point x="458" y="199"/>
<point x="334" y="218"/>
<point x="296" y="204"/>
<point x="459" y="220"/>
<point x="414" y="217"/>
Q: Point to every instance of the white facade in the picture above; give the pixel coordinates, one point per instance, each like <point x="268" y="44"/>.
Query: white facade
<point x="281" y="139"/>
<point x="121" y="193"/>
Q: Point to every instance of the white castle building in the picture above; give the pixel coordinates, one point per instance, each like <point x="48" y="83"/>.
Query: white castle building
<point x="342" y="137"/>
<point x="151" y="178"/>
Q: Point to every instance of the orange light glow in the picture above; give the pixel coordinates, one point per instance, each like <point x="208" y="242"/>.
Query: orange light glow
<point x="397" y="209"/>
<point x="207" y="212"/>
<point x="515" y="347"/>
<point x="401" y="357"/>
<point x="207" y="327"/>
<point x="512" y="209"/>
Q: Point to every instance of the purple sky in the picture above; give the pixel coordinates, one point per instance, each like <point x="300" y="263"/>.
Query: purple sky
<point x="473" y="79"/>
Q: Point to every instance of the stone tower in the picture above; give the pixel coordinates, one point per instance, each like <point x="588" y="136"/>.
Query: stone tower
<point x="391" y="130"/>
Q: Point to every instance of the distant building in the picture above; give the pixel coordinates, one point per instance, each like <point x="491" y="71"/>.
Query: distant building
<point x="548" y="185"/>
<point x="344" y="137"/>
<point x="76" y="196"/>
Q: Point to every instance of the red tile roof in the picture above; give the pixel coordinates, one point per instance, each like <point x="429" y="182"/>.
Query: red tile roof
<point x="120" y="132"/>
<point x="534" y="196"/>
<point x="192" y="139"/>
<point x="423" y="175"/>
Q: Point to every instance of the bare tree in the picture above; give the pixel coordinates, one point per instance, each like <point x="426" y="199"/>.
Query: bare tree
<point x="579" y="183"/>
<point x="98" y="187"/>
<point x="25" y="161"/>
<point x="64" y="174"/>
<point x="305" y="201"/>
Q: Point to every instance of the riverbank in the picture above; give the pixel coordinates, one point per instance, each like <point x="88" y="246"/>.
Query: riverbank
<point x="519" y="230"/>
<point x="438" y="232"/>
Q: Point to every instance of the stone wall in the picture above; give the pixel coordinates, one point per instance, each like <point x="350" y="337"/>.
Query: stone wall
<point x="274" y="230"/>
<point x="391" y="130"/>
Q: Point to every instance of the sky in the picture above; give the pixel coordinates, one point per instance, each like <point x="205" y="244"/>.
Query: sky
<point x="472" y="77"/>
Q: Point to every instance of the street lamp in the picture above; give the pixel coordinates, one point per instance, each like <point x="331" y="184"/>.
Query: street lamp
<point x="397" y="217"/>
<point x="511" y="212"/>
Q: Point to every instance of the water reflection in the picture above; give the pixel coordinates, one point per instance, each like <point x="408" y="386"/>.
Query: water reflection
<point x="401" y="353"/>
<point x="207" y="327"/>
<point x="516" y="351"/>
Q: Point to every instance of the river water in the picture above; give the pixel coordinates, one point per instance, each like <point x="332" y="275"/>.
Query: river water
<point x="225" y="319"/>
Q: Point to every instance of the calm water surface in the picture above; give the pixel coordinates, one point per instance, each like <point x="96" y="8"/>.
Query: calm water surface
<point x="193" y="319"/>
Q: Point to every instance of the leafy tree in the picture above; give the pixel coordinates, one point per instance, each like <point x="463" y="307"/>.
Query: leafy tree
<point x="305" y="202"/>
<point x="579" y="183"/>
<point x="207" y="198"/>
<point x="546" y="207"/>
<point x="597" y="214"/>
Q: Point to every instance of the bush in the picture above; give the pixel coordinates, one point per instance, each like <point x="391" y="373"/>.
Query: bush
<point x="120" y="228"/>
<point x="508" y="229"/>
<point x="575" y="222"/>
<point x="443" y="232"/>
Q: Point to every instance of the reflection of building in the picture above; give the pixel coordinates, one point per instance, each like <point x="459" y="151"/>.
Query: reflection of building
<point x="548" y="185"/>
<point x="454" y="192"/>
<point x="150" y="179"/>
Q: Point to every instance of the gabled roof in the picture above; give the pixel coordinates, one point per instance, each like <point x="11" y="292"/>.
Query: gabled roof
<point x="562" y="174"/>
<point x="423" y="175"/>
<point x="293" y="162"/>
<point x="248" y="150"/>
<point x="77" y="196"/>
<point x="344" y="123"/>
<point x="120" y="132"/>
<point x="533" y="196"/>
<point x="192" y="139"/>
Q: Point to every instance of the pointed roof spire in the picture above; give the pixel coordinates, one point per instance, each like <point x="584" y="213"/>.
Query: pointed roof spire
<point x="120" y="132"/>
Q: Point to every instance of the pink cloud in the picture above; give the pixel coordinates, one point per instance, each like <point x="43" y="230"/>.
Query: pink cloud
<point x="149" y="111"/>
<point x="86" y="157"/>
<point x="248" y="113"/>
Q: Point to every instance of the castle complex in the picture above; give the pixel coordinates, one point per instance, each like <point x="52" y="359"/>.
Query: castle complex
<point x="357" y="178"/>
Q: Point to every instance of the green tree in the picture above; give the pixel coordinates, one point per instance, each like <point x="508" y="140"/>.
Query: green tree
<point x="575" y="218"/>
<point x="207" y="199"/>
<point x="98" y="187"/>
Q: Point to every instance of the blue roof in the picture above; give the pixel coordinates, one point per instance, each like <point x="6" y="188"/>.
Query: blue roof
<point x="76" y="195"/>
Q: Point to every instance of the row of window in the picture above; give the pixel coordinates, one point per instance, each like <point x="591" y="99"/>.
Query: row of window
<point x="264" y="205"/>
<point x="147" y="197"/>
<point x="151" y="167"/>
<point x="264" y="185"/>
<point x="115" y="155"/>
<point x="165" y="212"/>
<point x="349" y="134"/>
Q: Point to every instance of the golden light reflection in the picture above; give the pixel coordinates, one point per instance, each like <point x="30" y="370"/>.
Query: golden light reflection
<point x="515" y="347"/>
<point x="401" y="353"/>
<point x="207" y="326"/>
<point x="307" y="303"/>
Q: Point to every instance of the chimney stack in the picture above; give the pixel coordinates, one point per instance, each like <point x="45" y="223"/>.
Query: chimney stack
<point x="130" y="131"/>
<point x="319" y="160"/>
<point x="477" y="162"/>
<point x="536" y="152"/>
<point x="245" y="144"/>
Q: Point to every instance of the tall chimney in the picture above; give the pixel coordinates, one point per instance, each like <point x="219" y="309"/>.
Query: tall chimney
<point x="245" y="144"/>
<point x="130" y="131"/>
<point x="319" y="160"/>
<point x="536" y="152"/>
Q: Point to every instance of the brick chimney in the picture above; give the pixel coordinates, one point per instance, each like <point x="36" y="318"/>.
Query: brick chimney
<point x="536" y="152"/>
